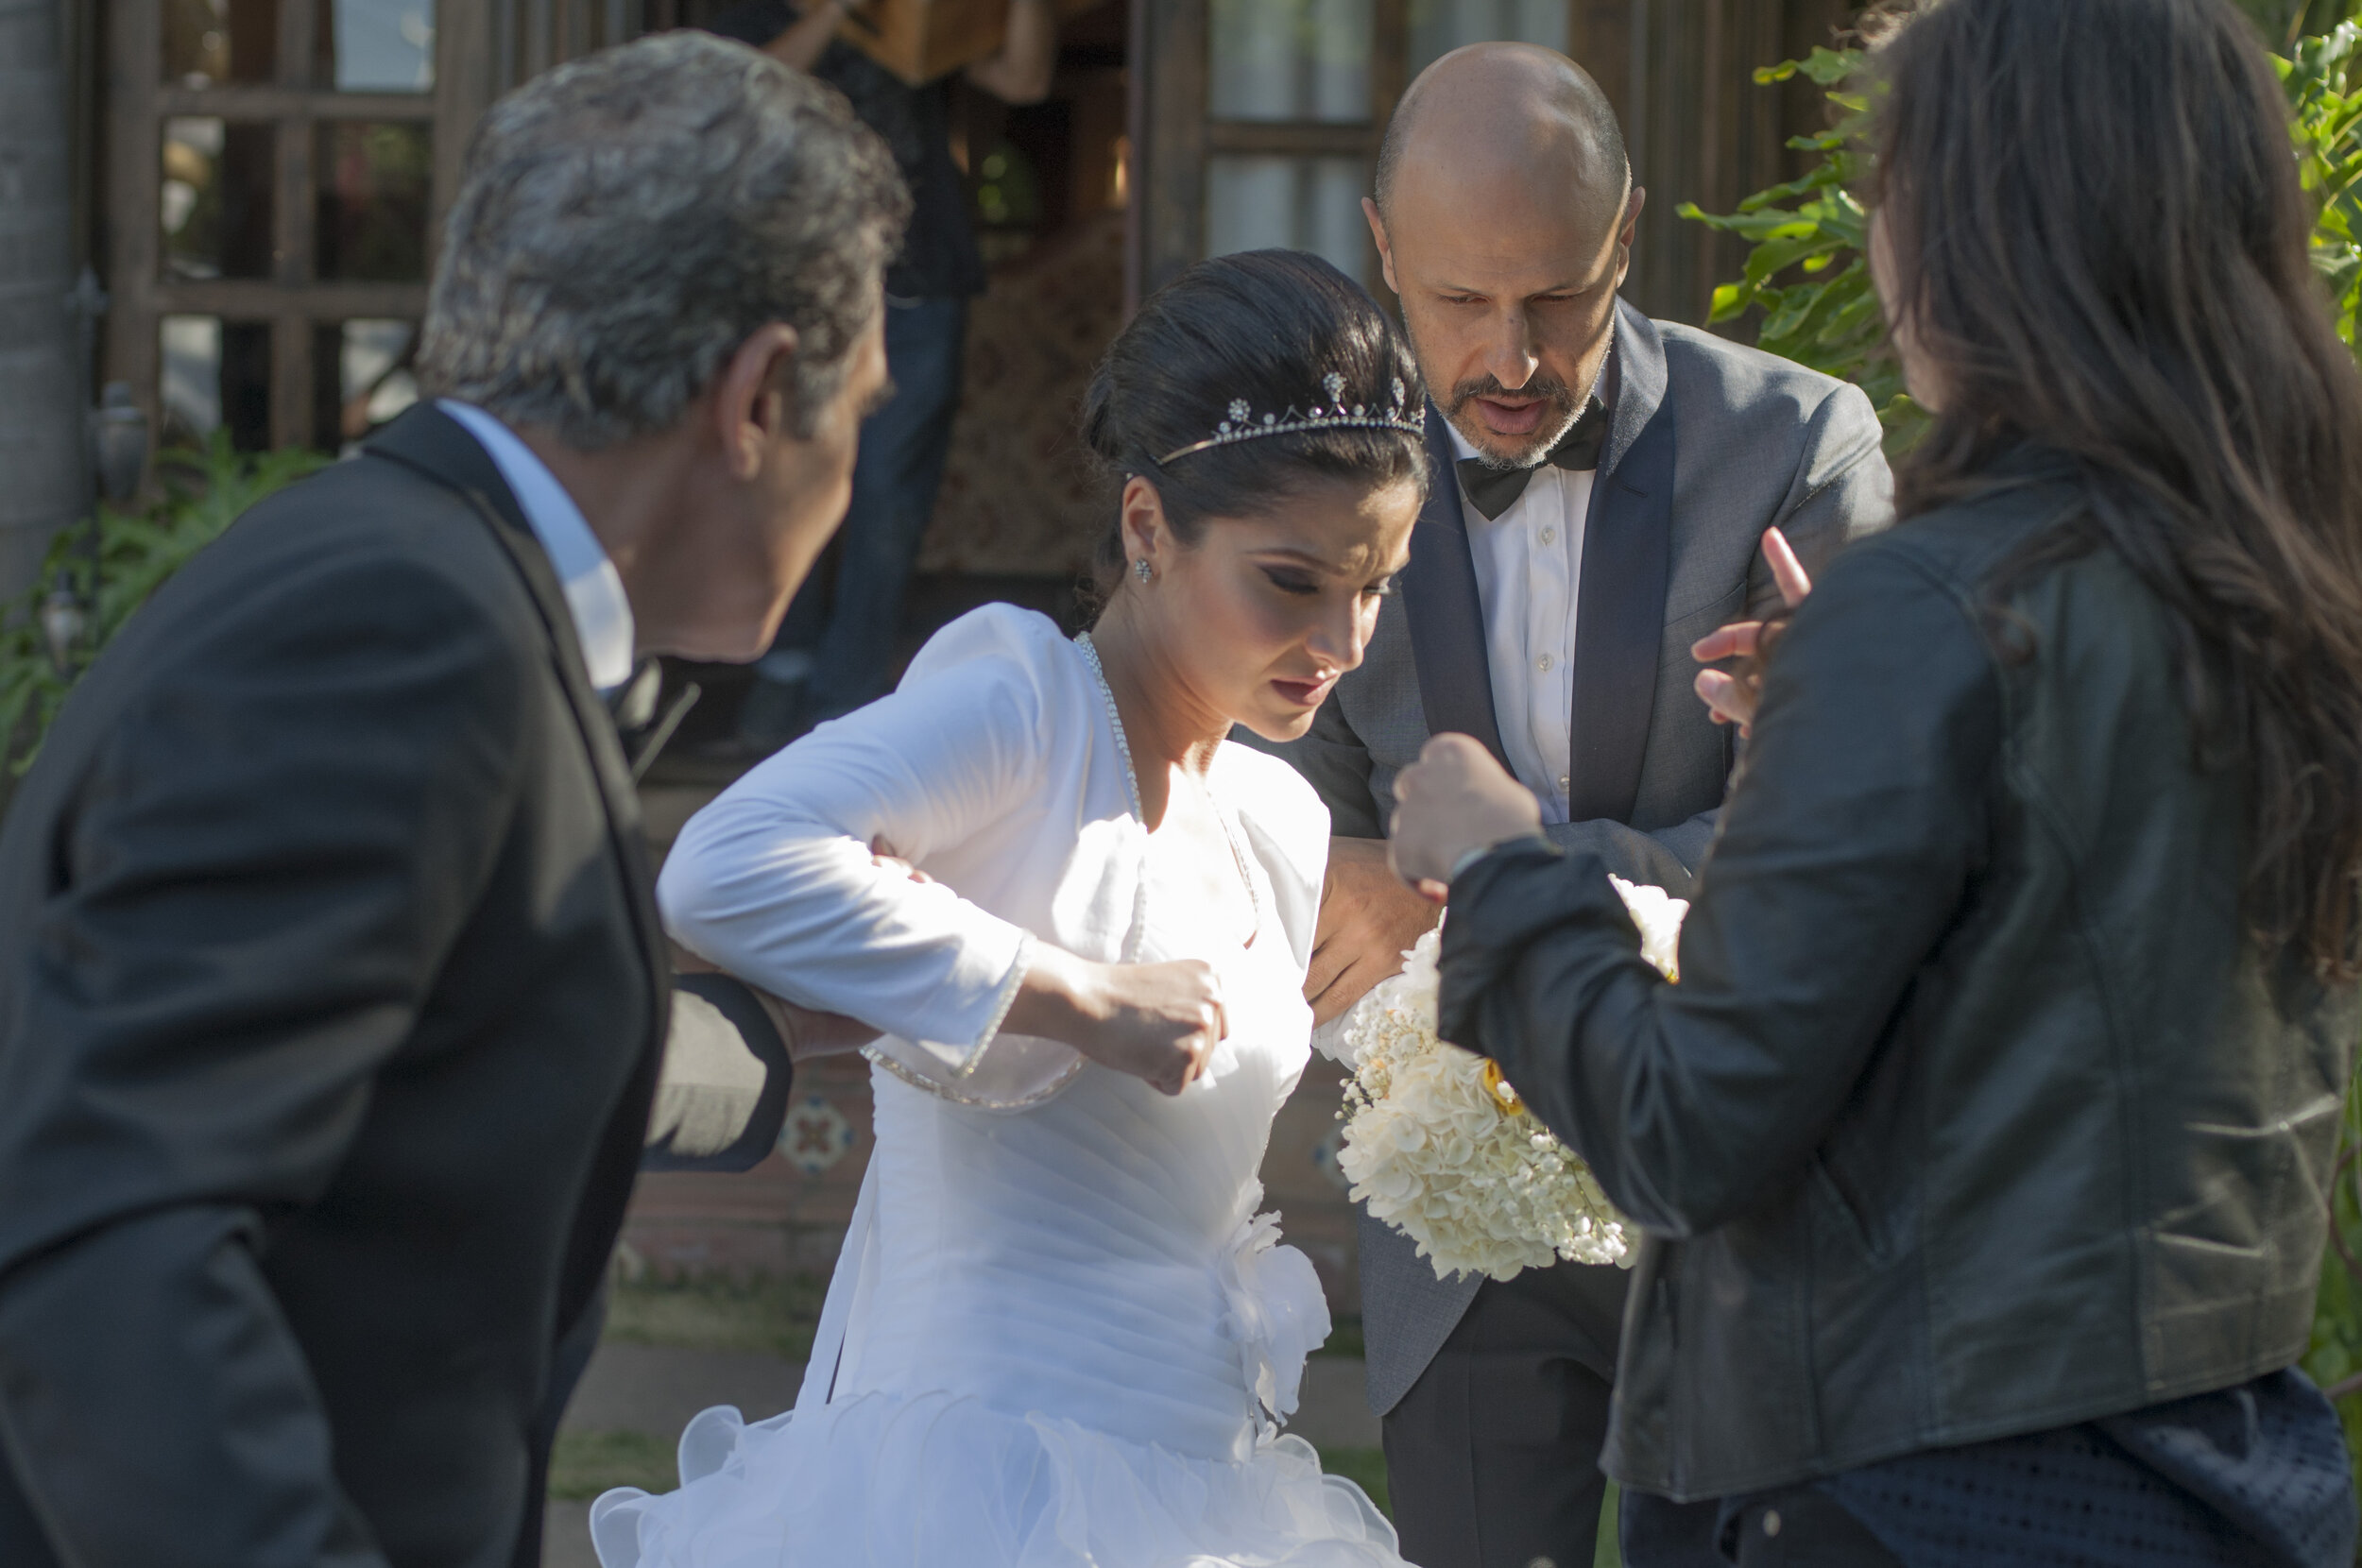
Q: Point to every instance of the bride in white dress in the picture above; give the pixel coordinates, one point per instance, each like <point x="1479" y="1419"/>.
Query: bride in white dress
<point x="1060" y="1333"/>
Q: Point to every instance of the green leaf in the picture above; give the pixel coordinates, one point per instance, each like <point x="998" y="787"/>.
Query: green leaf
<point x="138" y="552"/>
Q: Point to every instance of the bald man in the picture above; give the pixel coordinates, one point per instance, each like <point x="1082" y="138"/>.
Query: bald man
<point x="1604" y="484"/>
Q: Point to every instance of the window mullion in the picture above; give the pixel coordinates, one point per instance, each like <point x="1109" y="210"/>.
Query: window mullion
<point x="293" y="239"/>
<point x="134" y="234"/>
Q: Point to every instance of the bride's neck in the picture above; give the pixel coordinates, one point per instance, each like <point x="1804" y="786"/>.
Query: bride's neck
<point x="1167" y="725"/>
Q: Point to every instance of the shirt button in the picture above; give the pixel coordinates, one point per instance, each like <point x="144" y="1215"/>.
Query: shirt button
<point x="1563" y="783"/>
<point x="1543" y="663"/>
<point x="1549" y="536"/>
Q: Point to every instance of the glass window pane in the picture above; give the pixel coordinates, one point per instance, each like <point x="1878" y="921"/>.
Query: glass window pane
<point x="1291" y="60"/>
<point x="362" y="377"/>
<point x="376" y="45"/>
<point x="217" y="198"/>
<point x="190" y="390"/>
<point x="1439" y="27"/>
<point x="215" y="374"/>
<point x="1254" y="203"/>
<point x="210" y="42"/>
<point x="373" y="201"/>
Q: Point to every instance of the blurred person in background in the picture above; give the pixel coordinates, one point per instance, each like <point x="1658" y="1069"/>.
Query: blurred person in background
<point x="835" y="651"/>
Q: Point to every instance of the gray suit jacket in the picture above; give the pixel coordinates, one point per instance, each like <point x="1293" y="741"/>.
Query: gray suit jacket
<point x="1709" y="444"/>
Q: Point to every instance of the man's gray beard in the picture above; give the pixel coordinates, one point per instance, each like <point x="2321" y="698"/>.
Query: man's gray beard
<point x="1554" y="434"/>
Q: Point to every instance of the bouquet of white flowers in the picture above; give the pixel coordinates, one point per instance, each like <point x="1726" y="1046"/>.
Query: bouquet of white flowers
<point x="1441" y="1148"/>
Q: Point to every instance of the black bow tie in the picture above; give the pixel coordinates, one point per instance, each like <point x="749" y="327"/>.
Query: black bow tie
<point x="1496" y="490"/>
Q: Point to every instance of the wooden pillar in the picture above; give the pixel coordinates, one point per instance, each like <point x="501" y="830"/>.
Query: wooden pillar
<point x="41" y="398"/>
<point x="1702" y="129"/>
<point x="294" y="211"/>
<point x="130" y="233"/>
<point x="467" y="80"/>
<point x="1168" y="59"/>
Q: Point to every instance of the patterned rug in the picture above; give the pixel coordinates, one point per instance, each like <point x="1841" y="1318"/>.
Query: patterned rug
<point x="1019" y="497"/>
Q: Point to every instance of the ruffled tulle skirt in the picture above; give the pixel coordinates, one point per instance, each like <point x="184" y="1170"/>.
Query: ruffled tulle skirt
<point x="939" y="1481"/>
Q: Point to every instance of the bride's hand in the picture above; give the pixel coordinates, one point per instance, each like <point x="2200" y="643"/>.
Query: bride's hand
<point x="1157" y="1022"/>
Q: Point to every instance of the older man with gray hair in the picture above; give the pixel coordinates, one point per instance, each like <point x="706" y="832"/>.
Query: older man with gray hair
<point x="336" y="1000"/>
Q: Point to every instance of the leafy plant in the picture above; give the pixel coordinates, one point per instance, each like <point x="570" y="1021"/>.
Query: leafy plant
<point x="205" y="490"/>
<point x="1814" y="233"/>
<point x="2327" y="124"/>
<point x="2284" y="22"/>
<point x="2333" y="1359"/>
<point x="1808" y="274"/>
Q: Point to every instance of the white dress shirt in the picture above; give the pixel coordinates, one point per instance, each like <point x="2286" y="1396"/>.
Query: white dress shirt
<point x="1529" y="572"/>
<point x="594" y="590"/>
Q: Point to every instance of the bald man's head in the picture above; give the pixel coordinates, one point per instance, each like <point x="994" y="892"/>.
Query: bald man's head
<point x="1510" y="108"/>
<point x="1504" y="218"/>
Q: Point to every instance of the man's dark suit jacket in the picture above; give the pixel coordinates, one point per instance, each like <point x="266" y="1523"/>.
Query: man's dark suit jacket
<point x="332" y="1006"/>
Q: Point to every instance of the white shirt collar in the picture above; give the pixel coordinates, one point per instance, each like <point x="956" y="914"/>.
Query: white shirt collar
<point x="594" y="590"/>
<point x="1460" y="443"/>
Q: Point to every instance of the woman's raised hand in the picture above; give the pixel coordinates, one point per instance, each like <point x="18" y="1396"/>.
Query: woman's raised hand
<point x="1157" y="1022"/>
<point x="1731" y="699"/>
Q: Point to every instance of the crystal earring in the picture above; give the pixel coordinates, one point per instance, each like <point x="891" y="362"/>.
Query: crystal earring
<point x="1141" y="570"/>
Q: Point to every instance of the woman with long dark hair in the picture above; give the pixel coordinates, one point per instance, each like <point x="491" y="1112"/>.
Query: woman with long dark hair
<point x="1982" y="1146"/>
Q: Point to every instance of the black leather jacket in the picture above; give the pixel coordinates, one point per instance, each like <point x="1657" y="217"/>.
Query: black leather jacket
<point x="1974" y="1112"/>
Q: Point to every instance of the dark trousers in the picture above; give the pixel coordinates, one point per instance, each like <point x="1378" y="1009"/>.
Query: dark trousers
<point x="1801" y="1528"/>
<point x="845" y="629"/>
<point x="1493" y="1457"/>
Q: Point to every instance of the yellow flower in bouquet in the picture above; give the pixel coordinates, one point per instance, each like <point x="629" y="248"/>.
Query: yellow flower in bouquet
<point x="1439" y="1145"/>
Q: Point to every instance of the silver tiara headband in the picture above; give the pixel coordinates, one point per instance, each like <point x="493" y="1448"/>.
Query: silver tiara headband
<point x="1243" y="425"/>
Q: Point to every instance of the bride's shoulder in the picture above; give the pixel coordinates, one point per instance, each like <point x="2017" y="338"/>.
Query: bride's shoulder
<point x="1002" y="645"/>
<point x="1274" y="798"/>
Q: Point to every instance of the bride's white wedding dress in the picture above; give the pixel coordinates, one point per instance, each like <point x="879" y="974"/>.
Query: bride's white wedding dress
<point x="1059" y="1333"/>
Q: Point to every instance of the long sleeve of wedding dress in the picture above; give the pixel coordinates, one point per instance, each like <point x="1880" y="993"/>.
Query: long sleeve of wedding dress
<point x="960" y="772"/>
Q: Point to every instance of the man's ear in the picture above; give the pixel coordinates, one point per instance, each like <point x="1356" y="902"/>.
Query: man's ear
<point x="1631" y="231"/>
<point x="753" y="402"/>
<point x="1385" y="251"/>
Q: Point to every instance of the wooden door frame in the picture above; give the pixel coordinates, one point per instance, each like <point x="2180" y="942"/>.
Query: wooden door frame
<point x="1678" y="71"/>
<point x="481" y="47"/>
<point x="1176" y="137"/>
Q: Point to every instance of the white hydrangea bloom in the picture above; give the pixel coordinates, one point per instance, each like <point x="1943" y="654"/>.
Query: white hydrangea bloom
<point x="1659" y="915"/>
<point x="1443" y="1150"/>
<point x="1446" y="1154"/>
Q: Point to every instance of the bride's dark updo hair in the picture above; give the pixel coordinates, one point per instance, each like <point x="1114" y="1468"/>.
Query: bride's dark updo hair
<point x="1265" y="327"/>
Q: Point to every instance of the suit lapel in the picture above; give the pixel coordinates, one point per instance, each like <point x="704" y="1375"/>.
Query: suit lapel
<point x="1439" y="594"/>
<point x="441" y="448"/>
<point x="1627" y="556"/>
